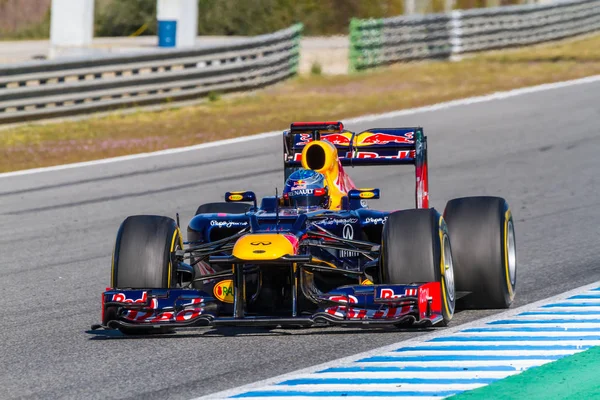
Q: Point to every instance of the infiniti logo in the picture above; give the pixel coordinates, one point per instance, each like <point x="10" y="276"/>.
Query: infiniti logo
<point x="348" y="232"/>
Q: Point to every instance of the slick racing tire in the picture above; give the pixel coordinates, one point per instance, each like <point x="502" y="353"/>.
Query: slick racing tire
<point x="223" y="207"/>
<point x="142" y="257"/>
<point x="415" y="248"/>
<point x="483" y="245"/>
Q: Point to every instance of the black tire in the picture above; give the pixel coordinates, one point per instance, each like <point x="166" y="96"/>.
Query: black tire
<point x="483" y="245"/>
<point x="142" y="257"/>
<point x="223" y="207"/>
<point x="415" y="248"/>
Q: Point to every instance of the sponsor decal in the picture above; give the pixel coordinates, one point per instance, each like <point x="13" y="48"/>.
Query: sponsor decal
<point x="236" y="197"/>
<point x="259" y="251"/>
<point x="375" y="221"/>
<point x="192" y="310"/>
<point x="423" y="294"/>
<point x="122" y="298"/>
<point x="384" y="138"/>
<point x="389" y="294"/>
<point x="338" y="221"/>
<point x="223" y="291"/>
<point x="344" y="299"/>
<point x="364" y="204"/>
<point x="343" y="311"/>
<point x="348" y="233"/>
<point x="372" y="154"/>
<point x="366" y="281"/>
<point x="298" y="192"/>
<point x="339" y="139"/>
<point x="227" y="224"/>
<point x="299" y="184"/>
<point x="366" y="195"/>
<point x="167" y="316"/>
<point x="260" y="243"/>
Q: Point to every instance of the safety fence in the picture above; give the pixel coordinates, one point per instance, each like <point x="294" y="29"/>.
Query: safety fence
<point x="47" y="89"/>
<point x="414" y="37"/>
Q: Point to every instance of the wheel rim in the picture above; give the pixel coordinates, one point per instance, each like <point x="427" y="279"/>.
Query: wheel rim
<point x="448" y="270"/>
<point x="512" y="253"/>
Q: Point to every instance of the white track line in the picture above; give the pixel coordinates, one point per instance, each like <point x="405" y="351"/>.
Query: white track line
<point x="364" y="118"/>
<point x="420" y="339"/>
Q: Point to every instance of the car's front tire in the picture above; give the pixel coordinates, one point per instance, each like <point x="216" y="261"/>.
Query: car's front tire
<point x="415" y="248"/>
<point x="142" y="258"/>
<point x="484" y="249"/>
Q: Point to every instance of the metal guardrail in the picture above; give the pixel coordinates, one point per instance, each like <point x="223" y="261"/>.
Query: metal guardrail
<point x="406" y="38"/>
<point x="47" y="89"/>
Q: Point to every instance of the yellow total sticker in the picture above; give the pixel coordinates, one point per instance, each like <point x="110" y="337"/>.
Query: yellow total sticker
<point x="236" y="197"/>
<point x="366" y="195"/>
<point x="224" y="291"/>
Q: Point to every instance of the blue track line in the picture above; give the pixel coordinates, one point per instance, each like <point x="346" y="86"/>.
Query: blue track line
<point x="544" y="321"/>
<point x="443" y="357"/>
<point x="489" y="347"/>
<point x="529" y="329"/>
<point x="582" y="305"/>
<point x="585" y="296"/>
<point x="410" y="368"/>
<point x="345" y="393"/>
<point x="511" y="338"/>
<point x="573" y="313"/>
<point x="370" y="381"/>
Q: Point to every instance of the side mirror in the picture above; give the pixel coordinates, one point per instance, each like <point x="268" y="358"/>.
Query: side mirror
<point x="363" y="194"/>
<point x="234" y="197"/>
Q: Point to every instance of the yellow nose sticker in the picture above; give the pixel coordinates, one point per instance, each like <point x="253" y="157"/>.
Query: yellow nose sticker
<point x="224" y="291"/>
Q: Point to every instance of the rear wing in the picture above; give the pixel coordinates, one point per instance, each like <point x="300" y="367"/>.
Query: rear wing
<point x="376" y="146"/>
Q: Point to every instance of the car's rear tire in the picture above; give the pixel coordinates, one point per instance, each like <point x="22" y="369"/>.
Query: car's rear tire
<point x="415" y="248"/>
<point x="223" y="207"/>
<point x="142" y="257"/>
<point x="483" y="245"/>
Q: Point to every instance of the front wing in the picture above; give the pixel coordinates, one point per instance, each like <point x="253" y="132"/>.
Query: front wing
<point x="415" y="304"/>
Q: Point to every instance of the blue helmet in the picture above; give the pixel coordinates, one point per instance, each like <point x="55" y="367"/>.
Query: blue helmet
<point x="306" y="190"/>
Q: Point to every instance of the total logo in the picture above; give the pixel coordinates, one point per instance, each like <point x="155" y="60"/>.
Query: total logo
<point x="223" y="291"/>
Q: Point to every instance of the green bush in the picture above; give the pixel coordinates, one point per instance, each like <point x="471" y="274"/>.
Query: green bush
<point x="124" y="18"/>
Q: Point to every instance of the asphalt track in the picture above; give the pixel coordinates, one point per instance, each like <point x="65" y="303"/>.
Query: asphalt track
<point x="540" y="151"/>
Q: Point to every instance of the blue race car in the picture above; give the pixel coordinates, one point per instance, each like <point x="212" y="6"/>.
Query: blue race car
<point x="316" y="254"/>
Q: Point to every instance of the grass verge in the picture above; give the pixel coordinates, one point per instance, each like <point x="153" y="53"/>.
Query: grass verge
<point x="313" y="97"/>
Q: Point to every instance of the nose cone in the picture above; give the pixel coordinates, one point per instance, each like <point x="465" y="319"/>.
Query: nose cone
<point x="265" y="246"/>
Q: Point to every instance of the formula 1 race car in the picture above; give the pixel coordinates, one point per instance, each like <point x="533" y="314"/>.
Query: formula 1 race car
<point x="316" y="254"/>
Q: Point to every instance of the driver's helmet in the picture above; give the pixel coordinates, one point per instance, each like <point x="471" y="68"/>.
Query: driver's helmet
<point x="306" y="190"/>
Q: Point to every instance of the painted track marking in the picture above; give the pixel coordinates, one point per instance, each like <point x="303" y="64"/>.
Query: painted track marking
<point x="447" y="362"/>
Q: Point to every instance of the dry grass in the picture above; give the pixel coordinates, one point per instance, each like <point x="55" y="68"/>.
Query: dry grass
<point x="303" y="98"/>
